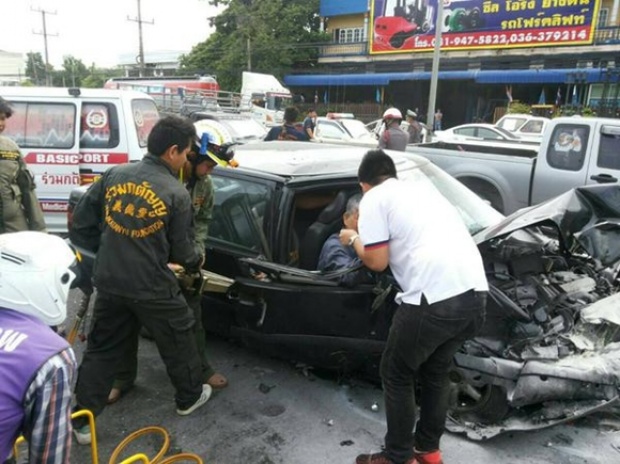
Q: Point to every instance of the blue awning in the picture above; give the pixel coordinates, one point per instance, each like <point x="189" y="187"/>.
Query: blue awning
<point x="508" y="76"/>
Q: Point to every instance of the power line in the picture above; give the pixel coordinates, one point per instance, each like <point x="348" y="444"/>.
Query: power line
<point x="45" y="35"/>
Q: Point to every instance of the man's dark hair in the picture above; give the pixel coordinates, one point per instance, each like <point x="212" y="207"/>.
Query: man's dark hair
<point x="290" y="114"/>
<point x="5" y="108"/>
<point x="169" y="131"/>
<point x="376" y="166"/>
<point x="311" y="110"/>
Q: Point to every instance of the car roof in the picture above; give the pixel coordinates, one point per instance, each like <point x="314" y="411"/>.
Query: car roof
<point x="523" y="115"/>
<point x="223" y="115"/>
<point x="63" y="92"/>
<point x="476" y="124"/>
<point x="304" y="159"/>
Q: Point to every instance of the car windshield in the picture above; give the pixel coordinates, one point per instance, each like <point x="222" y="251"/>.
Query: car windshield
<point x="510" y="123"/>
<point x="246" y="129"/>
<point x="356" y="128"/>
<point x="475" y="212"/>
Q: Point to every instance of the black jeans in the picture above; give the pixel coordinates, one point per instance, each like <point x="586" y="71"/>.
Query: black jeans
<point x="116" y="322"/>
<point x="421" y="344"/>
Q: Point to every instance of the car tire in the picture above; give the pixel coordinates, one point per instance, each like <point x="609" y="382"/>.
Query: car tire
<point x="487" y="404"/>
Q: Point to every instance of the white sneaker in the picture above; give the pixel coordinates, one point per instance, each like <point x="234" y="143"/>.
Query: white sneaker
<point x="204" y="397"/>
<point x="82" y="435"/>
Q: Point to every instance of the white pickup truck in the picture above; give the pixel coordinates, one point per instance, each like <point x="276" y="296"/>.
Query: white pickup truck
<point x="574" y="151"/>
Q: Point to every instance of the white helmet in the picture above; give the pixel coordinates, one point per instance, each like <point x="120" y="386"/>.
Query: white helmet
<point x="35" y="275"/>
<point x="392" y="113"/>
<point x="214" y="141"/>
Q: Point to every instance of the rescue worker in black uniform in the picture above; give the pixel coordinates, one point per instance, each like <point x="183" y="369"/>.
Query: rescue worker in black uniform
<point x="138" y="218"/>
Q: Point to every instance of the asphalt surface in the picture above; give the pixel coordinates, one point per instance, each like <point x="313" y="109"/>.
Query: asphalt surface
<point x="275" y="411"/>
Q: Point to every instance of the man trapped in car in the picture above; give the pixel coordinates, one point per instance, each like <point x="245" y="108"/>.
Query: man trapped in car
<point x="442" y="302"/>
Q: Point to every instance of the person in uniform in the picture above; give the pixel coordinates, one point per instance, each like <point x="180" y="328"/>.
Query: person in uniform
<point x="19" y="206"/>
<point x="37" y="366"/>
<point x="212" y="149"/>
<point x="393" y="137"/>
<point x="415" y="128"/>
<point x="138" y="218"/>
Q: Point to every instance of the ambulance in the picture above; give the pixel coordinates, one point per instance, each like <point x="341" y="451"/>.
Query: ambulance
<point x="70" y="136"/>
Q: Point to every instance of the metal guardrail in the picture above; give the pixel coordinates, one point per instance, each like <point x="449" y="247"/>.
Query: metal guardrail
<point x="200" y="100"/>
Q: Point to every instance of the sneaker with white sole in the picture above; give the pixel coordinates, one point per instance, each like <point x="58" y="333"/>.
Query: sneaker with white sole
<point x="82" y="435"/>
<point x="204" y="397"/>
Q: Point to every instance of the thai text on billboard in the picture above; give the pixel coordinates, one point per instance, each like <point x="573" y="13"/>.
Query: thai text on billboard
<point x="409" y="25"/>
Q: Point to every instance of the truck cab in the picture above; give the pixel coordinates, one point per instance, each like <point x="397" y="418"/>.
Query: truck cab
<point x="576" y="151"/>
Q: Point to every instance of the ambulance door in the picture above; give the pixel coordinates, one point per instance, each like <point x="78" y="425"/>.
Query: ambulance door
<point x="103" y="139"/>
<point x="47" y="132"/>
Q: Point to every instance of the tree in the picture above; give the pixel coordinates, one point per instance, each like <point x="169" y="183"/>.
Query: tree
<point x="270" y="36"/>
<point x="35" y="68"/>
<point x="73" y="71"/>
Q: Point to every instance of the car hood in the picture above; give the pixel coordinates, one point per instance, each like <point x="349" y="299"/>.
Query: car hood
<point x="588" y="217"/>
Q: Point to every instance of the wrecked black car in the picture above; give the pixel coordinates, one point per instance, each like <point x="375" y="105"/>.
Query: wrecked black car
<point x="548" y="351"/>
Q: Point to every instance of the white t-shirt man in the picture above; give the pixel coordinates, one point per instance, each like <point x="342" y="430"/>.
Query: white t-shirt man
<point x="431" y="252"/>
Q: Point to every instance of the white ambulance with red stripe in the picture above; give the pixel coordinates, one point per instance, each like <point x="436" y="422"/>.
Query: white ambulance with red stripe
<point x="70" y="136"/>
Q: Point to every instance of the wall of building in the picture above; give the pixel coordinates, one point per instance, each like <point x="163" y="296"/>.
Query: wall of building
<point x="340" y="22"/>
<point x="12" y="67"/>
<point x="612" y="16"/>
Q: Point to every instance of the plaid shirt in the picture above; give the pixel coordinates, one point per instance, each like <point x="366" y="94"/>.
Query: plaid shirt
<point x="47" y="404"/>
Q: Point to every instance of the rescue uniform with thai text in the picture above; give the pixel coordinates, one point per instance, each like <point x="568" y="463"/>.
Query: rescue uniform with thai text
<point x="146" y="222"/>
<point x="203" y="196"/>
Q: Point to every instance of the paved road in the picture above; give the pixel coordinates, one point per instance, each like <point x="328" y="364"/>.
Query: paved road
<point x="274" y="412"/>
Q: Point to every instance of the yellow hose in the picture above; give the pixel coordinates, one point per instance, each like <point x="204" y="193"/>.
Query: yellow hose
<point x="137" y="457"/>
<point x="140" y="433"/>
<point x="182" y="457"/>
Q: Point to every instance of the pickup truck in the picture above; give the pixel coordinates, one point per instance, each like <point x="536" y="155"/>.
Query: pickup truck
<point x="574" y="152"/>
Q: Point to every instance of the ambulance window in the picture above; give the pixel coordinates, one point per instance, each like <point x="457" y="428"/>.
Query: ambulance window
<point x="145" y="115"/>
<point x="99" y="126"/>
<point x="42" y="125"/>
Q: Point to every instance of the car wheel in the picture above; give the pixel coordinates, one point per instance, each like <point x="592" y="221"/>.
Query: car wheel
<point x="488" y="404"/>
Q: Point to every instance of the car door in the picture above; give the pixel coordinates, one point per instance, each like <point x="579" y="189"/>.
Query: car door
<point x="282" y="307"/>
<point x="604" y="164"/>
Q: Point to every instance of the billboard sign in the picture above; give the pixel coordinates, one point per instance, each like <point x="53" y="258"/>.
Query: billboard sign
<point x="409" y="25"/>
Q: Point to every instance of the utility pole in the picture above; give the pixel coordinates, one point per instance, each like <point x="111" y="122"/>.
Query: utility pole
<point x="43" y="12"/>
<point x="139" y="20"/>
<point x="430" y="118"/>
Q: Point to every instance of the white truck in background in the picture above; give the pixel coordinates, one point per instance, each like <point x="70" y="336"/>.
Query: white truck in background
<point x="574" y="151"/>
<point x="262" y="96"/>
<point x="265" y="96"/>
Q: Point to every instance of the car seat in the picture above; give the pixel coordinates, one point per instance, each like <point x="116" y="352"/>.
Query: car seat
<point x="328" y="222"/>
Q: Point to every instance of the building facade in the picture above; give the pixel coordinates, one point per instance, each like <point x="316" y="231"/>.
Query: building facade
<point x="12" y="68"/>
<point x="564" y="53"/>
